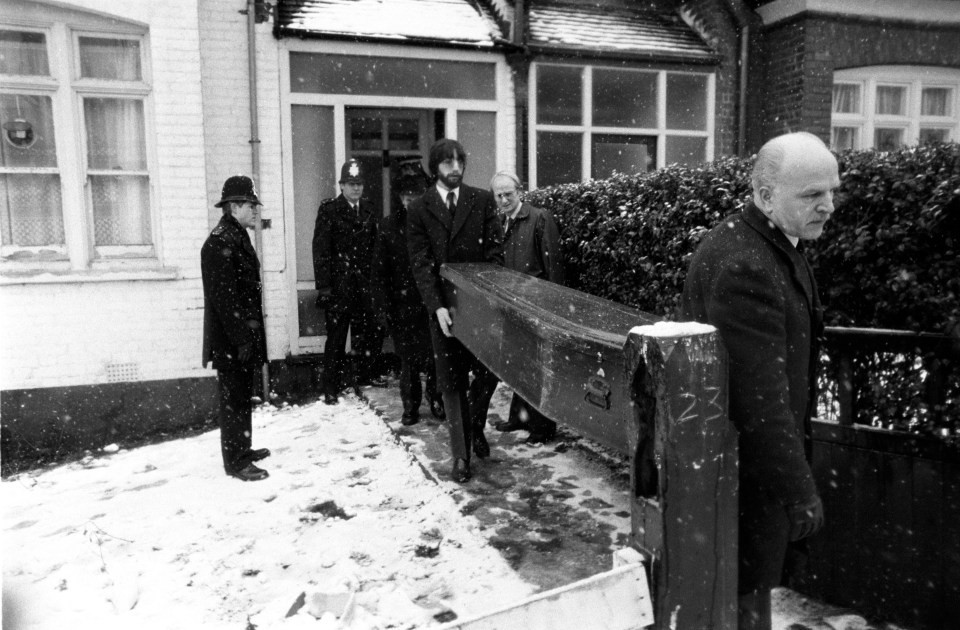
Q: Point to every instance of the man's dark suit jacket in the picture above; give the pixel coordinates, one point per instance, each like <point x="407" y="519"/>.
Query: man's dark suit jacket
<point x="435" y="238"/>
<point x="750" y="282"/>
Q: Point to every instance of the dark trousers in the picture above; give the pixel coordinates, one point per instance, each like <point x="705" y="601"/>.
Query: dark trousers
<point x="766" y="556"/>
<point x="458" y="423"/>
<point x="236" y="409"/>
<point x="411" y="391"/>
<point x="481" y="391"/>
<point x="525" y="412"/>
<point x="366" y="343"/>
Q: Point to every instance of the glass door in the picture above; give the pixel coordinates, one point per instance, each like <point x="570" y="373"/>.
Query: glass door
<point x="382" y="138"/>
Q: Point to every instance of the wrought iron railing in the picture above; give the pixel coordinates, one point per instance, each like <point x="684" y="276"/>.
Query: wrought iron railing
<point x="891" y="379"/>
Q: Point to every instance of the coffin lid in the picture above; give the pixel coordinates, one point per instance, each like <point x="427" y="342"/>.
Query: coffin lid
<point x="562" y="313"/>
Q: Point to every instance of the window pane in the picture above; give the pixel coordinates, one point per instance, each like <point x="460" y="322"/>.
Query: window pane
<point x="891" y="100"/>
<point x="116" y="59"/>
<point x="477" y="131"/>
<point x="121" y="209"/>
<point x="388" y="76"/>
<point x="624" y="154"/>
<point x="686" y="102"/>
<point x="366" y="134"/>
<point x="23" y="53"/>
<point x="932" y="136"/>
<point x="559" y="158"/>
<point x="686" y="151"/>
<point x="27" y="122"/>
<point x="115" y="136"/>
<point x="844" y="138"/>
<point x="846" y="98"/>
<point x="935" y="102"/>
<point x="559" y="96"/>
<point x="313" y="323"/>
<point x="30" y="210"/>
<point x="404" y="134"/>
<point x="624" y="99"/>
<point x="887" y="139"/>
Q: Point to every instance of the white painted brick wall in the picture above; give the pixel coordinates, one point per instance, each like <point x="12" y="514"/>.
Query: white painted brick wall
<point x="226" y="86"/>
<point x="62" y="334"/>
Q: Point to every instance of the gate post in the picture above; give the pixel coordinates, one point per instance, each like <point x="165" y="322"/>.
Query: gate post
<point x="683" y="474"/>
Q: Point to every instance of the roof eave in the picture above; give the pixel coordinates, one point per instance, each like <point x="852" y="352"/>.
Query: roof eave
<point x="706" y="59"/>
<point x="493" y="45"/>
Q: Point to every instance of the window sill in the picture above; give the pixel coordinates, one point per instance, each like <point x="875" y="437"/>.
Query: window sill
<point x="48" y="276"/>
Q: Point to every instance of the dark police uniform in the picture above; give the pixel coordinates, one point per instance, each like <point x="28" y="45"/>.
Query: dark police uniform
<point x="343" y="242"/>
<point x="233" y="334"/>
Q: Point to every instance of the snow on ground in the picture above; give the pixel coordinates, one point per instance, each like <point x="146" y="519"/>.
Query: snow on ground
<point x="159" y="537"/>
<point x="358" y="515"/>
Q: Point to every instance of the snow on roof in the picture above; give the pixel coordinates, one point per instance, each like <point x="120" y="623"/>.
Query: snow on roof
<point x="450" y="21"/>
<point x="673" y="329"/>
<point x="599" y="28"/>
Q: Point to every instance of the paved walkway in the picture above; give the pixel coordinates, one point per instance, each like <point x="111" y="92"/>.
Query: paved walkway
<point x="557" y="512"/>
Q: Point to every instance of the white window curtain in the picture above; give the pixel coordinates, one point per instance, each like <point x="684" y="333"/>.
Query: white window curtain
<point x="116" y="146"/>
<point x="890" y="100"/>
<point x="115" y="142"/>
<point x="846" y="98"/>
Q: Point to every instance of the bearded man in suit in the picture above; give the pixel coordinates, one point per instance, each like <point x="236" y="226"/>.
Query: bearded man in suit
<point x="452" y="223"/>
<point x="749" y="278"/>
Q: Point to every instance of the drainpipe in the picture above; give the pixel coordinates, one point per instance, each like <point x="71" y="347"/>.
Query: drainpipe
<point x="255" y="157"/>
<point x="736" y="10"/>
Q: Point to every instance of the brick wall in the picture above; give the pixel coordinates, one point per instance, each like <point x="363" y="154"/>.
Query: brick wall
<point x="94" y="327"/>
<point x="719" y="28"/>
<point x="796" y="60"/>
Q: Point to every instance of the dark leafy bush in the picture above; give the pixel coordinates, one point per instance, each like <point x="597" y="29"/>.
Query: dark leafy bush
<point x="890" y="258"/>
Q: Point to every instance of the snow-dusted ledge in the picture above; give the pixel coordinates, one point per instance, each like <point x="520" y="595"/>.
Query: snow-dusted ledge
<point x="673" y="329"/>
<point x="94" y="275"/>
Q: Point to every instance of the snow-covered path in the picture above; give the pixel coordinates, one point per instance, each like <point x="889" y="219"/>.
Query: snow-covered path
<point x="159" y="537"/>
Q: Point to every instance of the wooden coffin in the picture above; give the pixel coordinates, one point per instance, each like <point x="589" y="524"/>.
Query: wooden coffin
<point x="560" y="349"/>
<point x="654" y="391"/>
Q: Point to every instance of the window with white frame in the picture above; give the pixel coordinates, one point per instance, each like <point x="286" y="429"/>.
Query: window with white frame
<point x="592" y="121"/>
<point x="75" y="178"/>
<point x="888" y="107"/>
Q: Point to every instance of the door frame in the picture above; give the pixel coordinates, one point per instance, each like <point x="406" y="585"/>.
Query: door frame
<point x="502" y="106"/>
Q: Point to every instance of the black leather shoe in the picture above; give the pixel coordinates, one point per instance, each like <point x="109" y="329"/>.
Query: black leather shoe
<point x="249" y="473"/>
<point x="255" y="455"/>
<point x="330" y="399"/>
<point x="437" y="408"/>
<point x="510" y="425"/>
<point x="409" y="419"/>
<point x="480" y="446"/>
<point x="461" y="471"/>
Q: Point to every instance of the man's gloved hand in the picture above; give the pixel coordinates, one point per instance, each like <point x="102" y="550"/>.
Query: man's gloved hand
<point x="806" y="518"/>
<point x="244" y="352"/>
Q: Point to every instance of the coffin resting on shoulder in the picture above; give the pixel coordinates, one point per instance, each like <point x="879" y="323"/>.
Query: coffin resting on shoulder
<point x="560" y="349"/>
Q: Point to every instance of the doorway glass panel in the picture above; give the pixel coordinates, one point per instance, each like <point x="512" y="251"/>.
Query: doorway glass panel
<point x="314" y="179"/>
<point x="380" y="139"/>
<point x="477" y="132"/>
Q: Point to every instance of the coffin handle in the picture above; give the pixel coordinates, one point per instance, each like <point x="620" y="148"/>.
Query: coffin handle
<point x="598" y="392"/>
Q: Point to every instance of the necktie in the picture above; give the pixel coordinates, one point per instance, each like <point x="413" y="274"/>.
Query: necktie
<point x="452" y="203"/>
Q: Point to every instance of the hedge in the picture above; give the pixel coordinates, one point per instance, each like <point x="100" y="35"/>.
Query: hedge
<point x="889" y="258"/>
